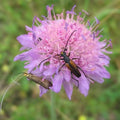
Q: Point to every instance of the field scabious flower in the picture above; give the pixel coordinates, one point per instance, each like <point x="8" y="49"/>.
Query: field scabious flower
<point x="49" y="37"/>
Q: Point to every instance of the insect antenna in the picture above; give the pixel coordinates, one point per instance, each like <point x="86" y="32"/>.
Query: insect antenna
<point x="44" y="60"/>
<point x="7" y="89"/>
<point x="68" y="40"/>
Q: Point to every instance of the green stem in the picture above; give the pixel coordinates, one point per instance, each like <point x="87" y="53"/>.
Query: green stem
<point x="53" y="112"/>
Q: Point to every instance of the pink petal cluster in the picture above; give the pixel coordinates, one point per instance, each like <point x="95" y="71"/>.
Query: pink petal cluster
<point x="48" y="38"/>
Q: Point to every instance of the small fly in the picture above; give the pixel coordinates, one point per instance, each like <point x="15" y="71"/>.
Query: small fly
<point x="44" y="83"/>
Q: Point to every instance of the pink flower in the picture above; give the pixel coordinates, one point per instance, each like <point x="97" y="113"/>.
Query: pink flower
<point x="45" y="42"/>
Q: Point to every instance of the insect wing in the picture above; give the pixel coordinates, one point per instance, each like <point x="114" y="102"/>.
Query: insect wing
<point x="45" y="83"/>
<point x="73" y="67"/>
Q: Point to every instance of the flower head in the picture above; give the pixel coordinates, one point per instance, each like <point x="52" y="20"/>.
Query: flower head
<point x="45" y="43"/>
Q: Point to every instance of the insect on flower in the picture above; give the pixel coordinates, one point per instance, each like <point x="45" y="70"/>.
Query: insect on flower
<point x="70" y="64"/>
<point x="67" y="50"/>
<point x="45" y="83"/>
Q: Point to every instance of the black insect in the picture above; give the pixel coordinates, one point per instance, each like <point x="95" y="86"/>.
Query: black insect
<point x="45" y="83"/>
<point x="69" y="63"/>
<point x="39" y="39"/>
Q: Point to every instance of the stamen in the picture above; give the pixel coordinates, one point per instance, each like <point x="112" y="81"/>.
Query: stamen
<point x="88" y="22"/>
<point x="33" y="22"/>
<point x="93" y="35"/>
<point x="73" y="8"/>
<point x="49" y="11"/>
<point x="85" y="13"/>
<point x="97" y="21"/>
<point x="93" y="23"/>
<point x="96" y="25"/>
<point x="104" y="57"/>
<point x="61" y="15"/>
<point x="53" y="13"/>
<point x="58" y="15"/>
<point x="45" y="18"/>
<point x="99" y="31"/>
<point x="72" y="11"/>
<point x="36" y="21"/>
<point x="109" y="44"/>
<point x="66" y="26"/>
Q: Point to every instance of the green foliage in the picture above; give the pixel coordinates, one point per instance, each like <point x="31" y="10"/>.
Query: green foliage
<point x="23" y="102"/>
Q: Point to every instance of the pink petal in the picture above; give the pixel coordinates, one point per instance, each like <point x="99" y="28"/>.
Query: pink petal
<point x="67" y="75"/>
<point x="57" y="82"/>
<point x="32" y="65"/>
<point x="26" y="41"/>
<point x="28" y="28"/>
<point x="68" y="86"/>
<point x="83" y="85"/>
<point x="42" y="90"/>
<point x="49" y="71"/>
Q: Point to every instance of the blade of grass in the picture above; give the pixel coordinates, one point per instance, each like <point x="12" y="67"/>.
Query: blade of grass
<point x="53" y="112"/>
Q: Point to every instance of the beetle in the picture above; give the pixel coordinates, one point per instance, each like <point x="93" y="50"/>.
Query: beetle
<point x="69" y="63"/>
<point x="45" y="83"/>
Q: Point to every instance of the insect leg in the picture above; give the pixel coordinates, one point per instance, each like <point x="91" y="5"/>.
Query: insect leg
<point x="68" y="40"/>
<point x="61" y="67"/>
<point x="74" y="58"/>
<point x="69" y="54"/>
<point x="91" y="80"/>
<point x="75" y="80"/>
<point x="81" y="70"/>
<point x="39" y="39"/>
<point x="43" y="60"/>
<point x="77" y="58"/>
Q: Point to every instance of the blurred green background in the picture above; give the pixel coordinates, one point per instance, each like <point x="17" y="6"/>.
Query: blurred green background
<point x="22" y="102"/>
